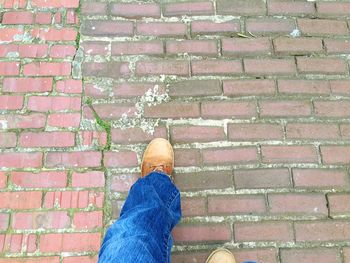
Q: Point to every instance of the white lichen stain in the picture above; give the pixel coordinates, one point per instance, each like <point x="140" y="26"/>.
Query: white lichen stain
<point x="295" y="33"/>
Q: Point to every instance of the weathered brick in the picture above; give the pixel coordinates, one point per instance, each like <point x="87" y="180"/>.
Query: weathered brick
<point x="297" y="46"/>
<point x="16" y="121"/>
<point x="164" y="67"/>
<point x="111" y="111"/>
<point x="161" y="29"/>
<point x="181" y="257"/>
<point x="277" y="231"/>
<point x="187" y="157"/>
<point x="193" y="206"/>
<point x="87" y="220"/>
<point x="320" y="178"/>
<point x="56" y="3"/>
<point x="241" y="7"/>
<point x="334" y="46"/>
<point x="88" y="179"/>
<point x="320" y="255"/>
<point x="73" y="159"/>
<point x="133" y="89"/>
<point x="335" y="9"/>
<point x="298" y="204"/>
<point x="269" y="26"/>
<point x="284" y="108"/>
<point x="345" y="130"/>
<point x="94" y="8"/>
<point x="17" y="17"/>
<point x="55" y="34"/>
<point x="187" y="134"/>
<point x="305" y="87"/>
<point x="199" y="27"/>
<point x="47" y="69"/>
<point x="322" y="27"/>
<point x="322" y="231"/>
<point x="135" y="10"/>
<point x="8" y="102"/>
<point x="229" y="155"/>
<point x="216" y="67"/>
<point x="269" y="66"/>
<point x="312" y="131"/>
<point x="192" y="47"/>
<point x="203" y="180"/>
<point x="255" y="132"/>
<point x="8" y="68"/>
<point x="339" y="204"/>
<point x="45" y="220"/>
<point x="43" y="104"/>
<point x="4" y="221"/>
<point x="333" y="154"/>
<point x="9" y="34"/>
<point x="289" y="154"/>
<point x="322" y="66"/>
<point x="123" y="182"/>
<point x="262" y="178"/>
<point x="73" y="199"/>
<point x="120" y="159"/>
<point x="49" y="179"/>
<point x="236" y="204"/>
<point x="153" y="47"/>
<point x="268" y="255"/>
<point x="107" y="28"/>
<point x="195" y="88"/>
<point x="21" y="159"/>
<point x="332" y="108"/>
<point x="227" y="109"/>
<point x="20" y="200"/>
<point x="96" y="47"/>
<point x="173" y="110"/>
<point x="201" y="233"/>
<point x="249" y="87"/>
<point x="290" y="8"/>
<point x="245" y="47"/>
<point x="188" y="8"/>
<point x="23" y="85"/>
<point x="8" y="139"/>
<point x="113" y="69"/>
<point x="46" y="139"/>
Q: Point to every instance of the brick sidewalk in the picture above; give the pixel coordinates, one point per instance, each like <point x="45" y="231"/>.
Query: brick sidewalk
<point x="254" y="97"/>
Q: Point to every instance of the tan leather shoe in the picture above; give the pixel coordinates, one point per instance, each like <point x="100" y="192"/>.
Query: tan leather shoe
<point x="158" y="156"/>
<point x="221" y="255"/>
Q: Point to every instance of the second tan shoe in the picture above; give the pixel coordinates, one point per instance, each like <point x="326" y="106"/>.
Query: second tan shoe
<point x="221" y="255"/>
<point x="158" y="156"/>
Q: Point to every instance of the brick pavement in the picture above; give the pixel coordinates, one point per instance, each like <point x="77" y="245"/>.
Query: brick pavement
<point x="253" y="95"/>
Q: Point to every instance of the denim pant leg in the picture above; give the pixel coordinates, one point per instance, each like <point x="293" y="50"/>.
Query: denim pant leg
<point x="143" y="231"/>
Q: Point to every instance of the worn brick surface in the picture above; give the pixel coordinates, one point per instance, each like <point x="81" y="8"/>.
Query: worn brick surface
<point x="253" y="94"/>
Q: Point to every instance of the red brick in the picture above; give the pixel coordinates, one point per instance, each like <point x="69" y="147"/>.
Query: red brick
<point x="92" y="138"/>
<point x="72" y="17"/>
<point x="333" y="154"/>
<point x="21" y="160"/>
<point x="312" y="131"/>
<point x="305" y="87"/>
<point x="153" y="47"/>
<point x="14" y="3"/>
<point x="229" y="155"/>
<point x="201" y="233"/>
<point x="135" y="10"/>
<point x="275" y="231"/>
<point x="322" y="231"/>
<point x="80" y="259"/>
<point x="70" y="242"/>
<point x="47" y="179"/>
<point x="94" y="8"/>
<point x="43" y="104"/>
<point x="88" y="179"/>
<point x="185" y="134"/>
<point x="62" y="51"/>
<point x="188" y="8"/>
<point x="195" y="88"/>
<point x="113" y="69"/>
<point x="248" y="87"/>
<point x="107" y="28"/>
<point x="339" y="204"/>
<point x="297" y="46"/>
<point x="161" y="29"/>
<point x="132" y="89"/>
<point x="192" y="47"/>
<point x="290" y="8"/>
<point x="322" y="66"/>
<point x="241" y="7"/>
<point x="269" y="66"/>
<point x="8" y="139"/>
<point x="19" y="243"/>
<point x="46" y="139"/>
<point x="47" y="69"/>
<point x="87" y="220"/>
<point x="3" y="180"/>
<point x="298" y="204"/>
<point x="284" y="108"/>
<point x="320" y="178"/>
<point x="17" y="17"/>
<point x="9" y="68"/>
<point x="289" y="154"/>
<point x="8" y="102"/>
<point x="175" y="67"/>
<point x="254" y="132"/>
<point x="53" y="259"/>
<point x="320" y="255"/>
<point x="43" y="18"/>
<point x="209" y="27"/>
<point x="187" y="157"/>
<point x="173" y="110"/>
<point x="227" y="109"/>
<point x="73" y="159"/>
<point x="236" y="204"/>
<point x="45" y="220"/>
<point x="322" y="27"/>
<point x="340" y="87"/>
<point x="16" y="121"/>
<point x="332" y="108"/>
<point x="333" y="9"/>
<point x="23" y="85"/>
<point x="63" y="120"/>
<point x="120" y="159"/>
<point x="193" y="206"/>
<point x="73" y="199"/>
<point x="203" y="180"/>
<point x="33" y="51"/>
<point x="8" y="49"/>
<point x="262" y="178"/>
<point x="216" y="67"/>
<point x="4" y="221"/>
<point x="335" y="46"/>
<point x="20" y="200"/>
<point x="10" y="34"/>
<point x="123" y="182"/>
<point x="96" y="47"/>
<point x="136" y="135"/>
<point x="268" y="26"/>
<point x="56" y="3"/>
<point x="245" y="47"/>
<point x="55" y="34"/>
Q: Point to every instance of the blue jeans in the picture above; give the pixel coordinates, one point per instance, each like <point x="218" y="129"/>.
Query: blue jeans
<point x="143" y="231"/>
